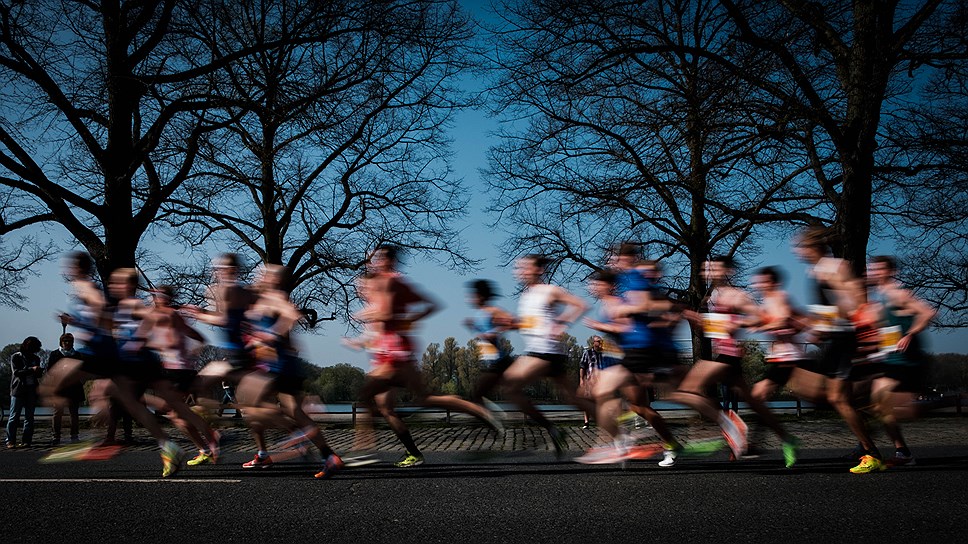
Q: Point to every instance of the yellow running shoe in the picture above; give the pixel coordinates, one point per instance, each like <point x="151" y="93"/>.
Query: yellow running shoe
<point x="200" y="459"/>
<point x="869" y="463"/>
<point x="171" y="457"/>
<point x="410" y="461"/>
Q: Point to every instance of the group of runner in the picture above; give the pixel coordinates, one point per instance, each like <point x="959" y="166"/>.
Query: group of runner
<point x="140" y="354"/>
<point x="866" y="331"/>
<point x="864" y="336"/>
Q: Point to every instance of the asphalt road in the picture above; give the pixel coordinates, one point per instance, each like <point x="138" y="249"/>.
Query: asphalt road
<point x="461" y="497"/>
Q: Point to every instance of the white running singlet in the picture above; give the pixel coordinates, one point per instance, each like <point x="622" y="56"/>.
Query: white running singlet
<point x="537" y="317"/>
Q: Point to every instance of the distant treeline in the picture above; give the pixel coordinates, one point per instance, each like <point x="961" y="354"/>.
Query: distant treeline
<point x="453" y="369"/>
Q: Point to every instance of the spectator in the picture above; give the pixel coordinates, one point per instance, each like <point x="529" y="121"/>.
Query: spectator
<point x="228" y="399"/>
<point x="588" y="367"/>
<point x="73" y="393"/>
<point x="25" y="374"/>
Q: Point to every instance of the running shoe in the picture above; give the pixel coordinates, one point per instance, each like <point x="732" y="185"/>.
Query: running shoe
<point x="331" y="465"/>
<point x="902" y="459"/>
<point x="410" y="461"/>
<point x="790" y="450"/>
<point x="171" y="457"/>
<point x="741" y="425"/>
<point x="869" y="463"/>
<point x="258" y="462"/>
<point x="733" y="435"/>
<point x="201" y="459"/>
<point x="669" y="455"/>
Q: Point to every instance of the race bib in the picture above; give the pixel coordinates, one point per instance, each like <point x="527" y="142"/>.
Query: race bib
<point x="488" y="351"/>
<point x="827" y="318"/>
<point x="715" y="325"/>
<point x="889" y="337"/>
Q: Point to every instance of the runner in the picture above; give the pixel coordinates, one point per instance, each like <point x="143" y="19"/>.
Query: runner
<point x="139" y="368"/>
<point x="281" y="376"/>
<point x="787" y="362"/>
<point x="489" y="323"/>
<point x="544" y="313"/>
<point x="905" y="365"/>
<point x="615" y="377"/>
<point x="392" y="311"/>
<point x="99" y="357"/>
<point x="227" y="301"/>
<point x="839" y="295"/>
<point x="168" y="337"/>
<point x="730" y="309"/>
<point x="96" y="350"/>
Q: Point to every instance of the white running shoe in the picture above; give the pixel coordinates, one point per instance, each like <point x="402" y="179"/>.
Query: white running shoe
<point x="669" y="458"/>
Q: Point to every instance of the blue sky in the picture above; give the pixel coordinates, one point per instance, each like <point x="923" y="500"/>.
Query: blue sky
<point x="471" y="133"/>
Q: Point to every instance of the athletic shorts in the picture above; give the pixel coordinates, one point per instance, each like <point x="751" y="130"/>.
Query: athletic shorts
<point x="663" y="363"/>
<point x="866" y="371"/>
<point x="499" y="366"/>
<point x="910" y="378"/>
<point x="239" y="358"/>
<point x="735" y="363"/>
<point x="393" y="349"/>
<point x="836" y="356"/>
<point x="778" y="374"/>
<point x="559" y="362"/>
<point x="287" y="384"/>
<point x="99" y="356"/>
<point x="181" y="379"/>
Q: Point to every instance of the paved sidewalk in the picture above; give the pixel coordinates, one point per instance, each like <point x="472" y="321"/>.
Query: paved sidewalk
<point x="432" y="434"/>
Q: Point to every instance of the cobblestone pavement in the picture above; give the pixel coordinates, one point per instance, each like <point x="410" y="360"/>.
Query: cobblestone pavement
<point x="433" y="434"/>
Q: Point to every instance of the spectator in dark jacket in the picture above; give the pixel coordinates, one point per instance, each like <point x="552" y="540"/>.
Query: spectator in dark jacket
<point x="25" y="374"/>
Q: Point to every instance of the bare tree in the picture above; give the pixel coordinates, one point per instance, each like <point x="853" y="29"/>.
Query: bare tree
<point x="618" y="129"/>
<point x="333" y="146"/>
<point x="102" y="113"/>
<point x="16" y="264"/>
<point x="927" y="192"/>
<point x="843" y="69"/>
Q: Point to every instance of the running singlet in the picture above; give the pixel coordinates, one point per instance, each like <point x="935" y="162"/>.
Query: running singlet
<point x="612" y="354"/>
<point x="727" y="346"/>
<point x="640" y="335"/>
<point x="393" y="345"/>
<point x="232" y="338"/>
<point x="84" y="319"/>
<point x="783" y="350"/>
<point x="483" y="323"/>
<point x="826" y="308"/>
<point x="174" y="356"/>
<point x="403" y="297"/>
<point x="914" y="355"/>
<point x="537" y="317"/>
<point x="276" y="356"/>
